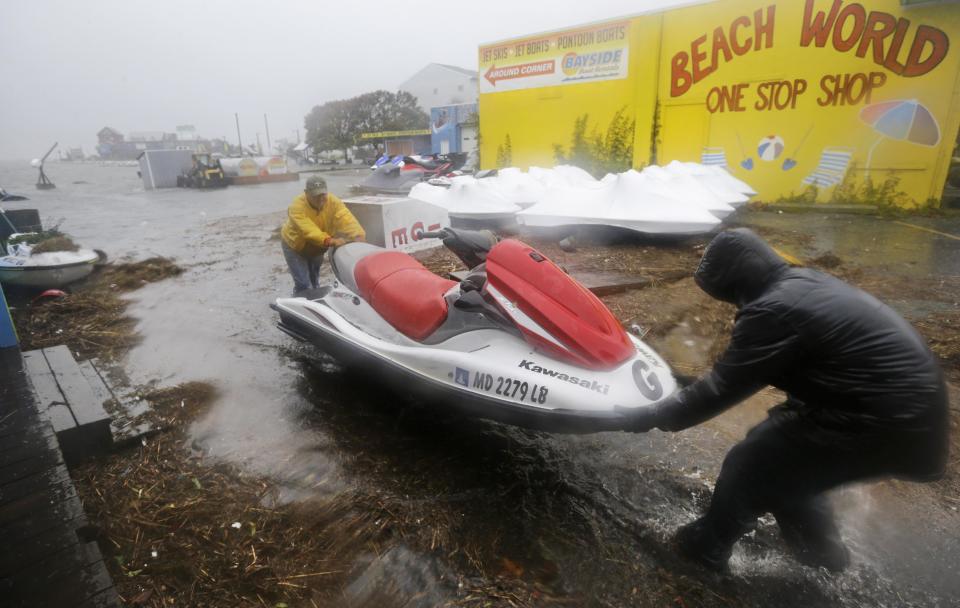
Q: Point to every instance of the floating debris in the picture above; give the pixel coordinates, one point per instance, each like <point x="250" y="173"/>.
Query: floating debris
<point x="91" y="319"/>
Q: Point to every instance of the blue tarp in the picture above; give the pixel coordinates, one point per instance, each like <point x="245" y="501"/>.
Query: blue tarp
<point x="8" y="335"/>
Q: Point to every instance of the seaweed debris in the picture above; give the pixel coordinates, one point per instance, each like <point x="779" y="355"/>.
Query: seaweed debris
<point x="91" y="319"/>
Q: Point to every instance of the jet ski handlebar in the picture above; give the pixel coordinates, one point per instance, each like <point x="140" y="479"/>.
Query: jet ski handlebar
<point x="471" y="246"/>
<point x="439" y="234"/>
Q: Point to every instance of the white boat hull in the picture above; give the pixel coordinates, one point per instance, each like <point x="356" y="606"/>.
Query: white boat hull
<point x="43" y="271"/>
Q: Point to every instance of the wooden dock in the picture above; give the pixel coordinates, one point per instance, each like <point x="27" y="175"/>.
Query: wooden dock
<point x="50" y="556"/>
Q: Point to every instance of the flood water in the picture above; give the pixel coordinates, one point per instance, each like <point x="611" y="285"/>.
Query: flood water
<point x="588" y="517"/>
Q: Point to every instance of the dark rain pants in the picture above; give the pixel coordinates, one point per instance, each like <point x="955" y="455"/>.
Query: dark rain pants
<point x="783" y="467"/>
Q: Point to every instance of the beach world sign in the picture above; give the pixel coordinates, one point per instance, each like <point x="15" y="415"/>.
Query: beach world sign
<point x="588" y="54"/>
<point x="893" y="44"/>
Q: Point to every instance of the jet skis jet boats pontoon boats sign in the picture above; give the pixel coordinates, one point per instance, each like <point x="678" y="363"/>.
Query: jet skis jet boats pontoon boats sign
<point x="518" y="340"/>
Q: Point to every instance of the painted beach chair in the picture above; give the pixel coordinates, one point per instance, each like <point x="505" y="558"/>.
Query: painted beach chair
<point x="831" y="169"/>
<point x="713" y="156"/>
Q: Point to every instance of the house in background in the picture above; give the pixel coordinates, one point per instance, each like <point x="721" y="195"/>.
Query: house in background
<point x="404" y="143"/>
<point x="108" y="135"/>
<point x="453" y="128"/>
<point x="438" y="84"/>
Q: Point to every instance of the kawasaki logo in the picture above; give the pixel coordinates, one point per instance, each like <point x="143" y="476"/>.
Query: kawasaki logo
<point x="603" y="389"/>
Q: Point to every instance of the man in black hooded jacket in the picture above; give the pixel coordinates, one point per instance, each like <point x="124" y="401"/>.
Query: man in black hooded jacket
<point x="865" y="399"/>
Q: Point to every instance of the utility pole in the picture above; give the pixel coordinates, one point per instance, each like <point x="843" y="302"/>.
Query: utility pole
<point x="259" y="147"/>
<point x="266" y="125"/>
<point x="239" y="141"/>
<point x="298" y="135"/>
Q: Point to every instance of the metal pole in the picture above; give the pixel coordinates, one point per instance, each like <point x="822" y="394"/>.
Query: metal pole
<point x="48" y="152"/>
<point x="298" y="135"/>
<point x="266" y="125"/>
<point x="239" y="141"/>
<point x="259" y="147"/>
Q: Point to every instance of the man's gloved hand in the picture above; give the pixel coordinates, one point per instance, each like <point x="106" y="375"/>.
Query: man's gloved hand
<point x="638" y="419"/>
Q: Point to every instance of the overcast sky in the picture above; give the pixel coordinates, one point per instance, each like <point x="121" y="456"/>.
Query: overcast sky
<point x="71" y="67"/>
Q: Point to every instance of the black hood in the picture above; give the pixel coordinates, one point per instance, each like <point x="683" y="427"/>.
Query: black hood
<point x="737" y="266"/>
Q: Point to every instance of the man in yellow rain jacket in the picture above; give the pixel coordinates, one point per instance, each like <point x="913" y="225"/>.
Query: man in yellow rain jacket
<point x="316" y="221"/>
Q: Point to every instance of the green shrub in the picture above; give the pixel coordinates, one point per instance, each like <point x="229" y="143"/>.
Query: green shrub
<point x="600" y="153"/>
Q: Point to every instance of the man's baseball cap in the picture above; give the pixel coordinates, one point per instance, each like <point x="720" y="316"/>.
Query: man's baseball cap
<point x="315" y="185"/>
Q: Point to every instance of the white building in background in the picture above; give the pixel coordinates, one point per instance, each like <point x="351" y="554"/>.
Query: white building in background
<point x="438" y="84"/>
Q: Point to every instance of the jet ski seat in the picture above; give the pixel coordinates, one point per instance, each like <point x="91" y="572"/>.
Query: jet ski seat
<point x="404" y="292"/>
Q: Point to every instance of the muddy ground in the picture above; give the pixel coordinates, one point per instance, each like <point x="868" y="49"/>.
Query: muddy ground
<point x="282" y="479"/>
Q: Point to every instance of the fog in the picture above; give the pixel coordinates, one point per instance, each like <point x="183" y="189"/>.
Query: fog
<point x="70" y="68"/>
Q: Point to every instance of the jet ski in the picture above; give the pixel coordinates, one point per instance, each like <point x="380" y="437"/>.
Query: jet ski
<point x="517" y="340"/>
<point x="437" y="164"/>
<point x="392" y="179"/>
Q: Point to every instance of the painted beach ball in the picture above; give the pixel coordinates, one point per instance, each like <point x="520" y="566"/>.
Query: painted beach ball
<point x="770" y="148"/>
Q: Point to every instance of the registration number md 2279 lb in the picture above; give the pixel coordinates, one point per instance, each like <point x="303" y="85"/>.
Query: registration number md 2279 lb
<point x="508" y="387"/>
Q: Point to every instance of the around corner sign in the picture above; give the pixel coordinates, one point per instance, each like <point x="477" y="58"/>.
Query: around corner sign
<point x="890" y="42"/>
<point x="588" y="54"/>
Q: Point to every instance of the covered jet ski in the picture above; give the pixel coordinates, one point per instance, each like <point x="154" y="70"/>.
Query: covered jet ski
<point x="519" y="188"/>
<point x="624" y="201"/>
<point x="518" y="340"/>
<point x="471" y="203"/>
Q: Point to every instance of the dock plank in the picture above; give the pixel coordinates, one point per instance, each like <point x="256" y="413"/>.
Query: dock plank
<point x="57" y="517"/>
<point x="27" y="442"/>
<point x="25" y="467"/>
<point x="38" y="434"/>
<point x="14" y="423"/>
<point x="50" y="398"/>
<point x="79" y="396"/>
<point x="49" y="542"/>
<point x="101" y="391"/>
<point x="60" y="579"/>
<point x="38" y="509"/>
<point x="78" y="586"/>
<point x="55" y="480"/>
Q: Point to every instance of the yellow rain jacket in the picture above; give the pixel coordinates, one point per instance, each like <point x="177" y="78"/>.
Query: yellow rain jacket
<point x="308" y="230"/>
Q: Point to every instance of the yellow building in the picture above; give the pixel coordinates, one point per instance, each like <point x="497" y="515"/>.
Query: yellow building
<point x="795" y="97"/>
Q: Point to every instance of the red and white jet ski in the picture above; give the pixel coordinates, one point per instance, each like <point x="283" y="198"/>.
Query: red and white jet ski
<point x="518" y="340"/>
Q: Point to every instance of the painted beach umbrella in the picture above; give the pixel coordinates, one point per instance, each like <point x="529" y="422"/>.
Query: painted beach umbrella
<point x="904" y="120"/>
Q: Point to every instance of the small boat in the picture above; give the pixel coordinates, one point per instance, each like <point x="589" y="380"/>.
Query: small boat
<point x="6" y="196"/>
<point x="47" y="270"/>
